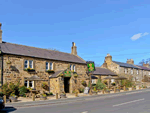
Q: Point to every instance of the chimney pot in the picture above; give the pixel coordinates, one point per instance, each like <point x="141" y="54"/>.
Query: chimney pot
<point x="0" y="25"/>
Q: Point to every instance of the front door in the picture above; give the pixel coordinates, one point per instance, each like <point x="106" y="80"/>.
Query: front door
<point x="66" y="84"/>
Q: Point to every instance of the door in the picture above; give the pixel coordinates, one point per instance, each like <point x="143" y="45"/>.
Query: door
<point x="66" y="84"/>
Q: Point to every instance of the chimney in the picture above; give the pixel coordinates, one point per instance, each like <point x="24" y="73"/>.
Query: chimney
<point x="104" y="64"/>
<point x="0" y="33"/>
<point x="146" y="65"/>
<point x="108" y="59"/>
<point x="74" y="49"/>
<point x="130" y="61"/>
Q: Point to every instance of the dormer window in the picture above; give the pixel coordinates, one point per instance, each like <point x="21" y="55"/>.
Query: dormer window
<point x="49" y="66"/>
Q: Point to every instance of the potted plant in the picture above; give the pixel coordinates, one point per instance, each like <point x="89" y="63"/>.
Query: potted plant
<point x="29" y="69"/>
<point x="107" y="91"/>
<point x="105" y="82"/>
<point x="13" y="97"/>
<point x="81" y="90"/>
<point x="83" y="83"/>
<point x="113" y="84"/>
<point x="62" y="75"/>
<point x="63" y="95"/>
<point x="94" y="90"/>
<point x="117" y="90"/>
<point x="43" y="96"/>
<point x="50" y="71"/>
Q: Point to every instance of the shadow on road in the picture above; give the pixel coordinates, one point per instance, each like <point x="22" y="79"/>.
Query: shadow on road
<point x="7" y="109"/>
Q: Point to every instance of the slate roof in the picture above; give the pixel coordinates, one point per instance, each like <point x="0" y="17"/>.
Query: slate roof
<point x="16" y="49"/>
<point x="55" y="74"/>
<point x="144" y="68"/>
<point x="126" y="65"/>
<point x="103" y="71"/>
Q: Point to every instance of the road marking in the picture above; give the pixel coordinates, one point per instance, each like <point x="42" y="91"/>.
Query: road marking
<point x="134" y="92"/>
<point x="128" y="102"/>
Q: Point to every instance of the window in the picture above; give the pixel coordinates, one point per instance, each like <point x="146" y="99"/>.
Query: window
<point x="47" y="67"/>
<point x="30" y="63"/>
<point x="125" y="70"/>
<point x="70" y="67"/>
<point x="25" y="64"/>
<point x="26" y="83"/>
<point x="131" y="71"/>
<point x="137" y="71"/>
<point x="51" y="66"/>
<point x="149" y="73"/>
<point x="112" y="80"/>
<point x="74" y="68"/>
<point x="30" y="83"/>
<point x="93" y="81"/>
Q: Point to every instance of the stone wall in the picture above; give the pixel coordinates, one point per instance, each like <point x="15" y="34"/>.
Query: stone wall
<point x="39" y="65"/>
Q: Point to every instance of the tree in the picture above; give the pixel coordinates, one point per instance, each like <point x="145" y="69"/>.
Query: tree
<point x="100" y="85"/>
<point x="147" y="61"/>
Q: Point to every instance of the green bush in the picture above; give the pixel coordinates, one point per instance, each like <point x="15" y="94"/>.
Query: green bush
<point x="1" y="94"/>
<point x="81" y="90"/>
<point x="100" y="85"/>
<point x="127" y="83"/>
<point x="6" y="90"/>
<point x="22" y="91"/>
<point x="49" y="93"/>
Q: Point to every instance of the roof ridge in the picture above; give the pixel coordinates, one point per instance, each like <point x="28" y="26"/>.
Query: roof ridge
<point x="38" y="48"/>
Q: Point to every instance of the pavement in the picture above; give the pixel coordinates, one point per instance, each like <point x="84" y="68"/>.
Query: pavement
<point x="126" y="102"/>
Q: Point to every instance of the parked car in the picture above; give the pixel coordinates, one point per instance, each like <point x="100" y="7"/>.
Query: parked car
<point x="2" y="105"/>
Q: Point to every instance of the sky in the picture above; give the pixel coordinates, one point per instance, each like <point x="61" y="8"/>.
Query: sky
<point x="118" y="27"/>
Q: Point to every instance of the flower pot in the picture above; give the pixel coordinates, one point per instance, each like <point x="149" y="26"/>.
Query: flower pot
<point x="43" y="98"/>
<point x="117" y="90"/>
<point x="63" y="96"/>
<point x="13" y="99"/>
<point x="95" y="93"/>
<point x="107" y="92"/>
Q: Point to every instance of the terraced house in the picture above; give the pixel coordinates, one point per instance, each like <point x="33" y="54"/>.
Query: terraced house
<point x="35" y="66"/>
<point x="128" y="69"/>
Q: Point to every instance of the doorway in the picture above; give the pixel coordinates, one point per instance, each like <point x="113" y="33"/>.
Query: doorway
<point x="66" y="84"/>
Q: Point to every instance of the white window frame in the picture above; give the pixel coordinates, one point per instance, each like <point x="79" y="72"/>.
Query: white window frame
<point x="71" y="67"/>
<point x="149" y="73"/>
<point x="46" y="65"/>
<point x="28" y="64"/>
<point x="31" y="63"/>
<point x="51" y="67"/>
<point x="74" y="68"/>
<point x="25" y="64"/>
<point x="137" y="71"/>
<point x="93" y="81"/>
<point x="29" y="83"/>
<point x="125" y="70"/>
<point x="131" y="71"/>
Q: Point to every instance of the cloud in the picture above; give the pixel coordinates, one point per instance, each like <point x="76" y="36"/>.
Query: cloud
<point x="139" y="35"/>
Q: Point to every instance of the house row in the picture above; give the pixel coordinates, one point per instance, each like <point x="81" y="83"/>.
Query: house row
<point x="61" y="72"/>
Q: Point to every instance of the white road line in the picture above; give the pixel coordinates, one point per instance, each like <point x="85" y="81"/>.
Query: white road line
<point x="128" y="102"/>
<point x="134" y="92"/>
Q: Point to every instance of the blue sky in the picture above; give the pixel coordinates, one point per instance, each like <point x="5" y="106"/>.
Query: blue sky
<point x="98" y="27"/>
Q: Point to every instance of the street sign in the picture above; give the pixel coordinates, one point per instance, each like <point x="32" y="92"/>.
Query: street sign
<point x="91" y="66"/>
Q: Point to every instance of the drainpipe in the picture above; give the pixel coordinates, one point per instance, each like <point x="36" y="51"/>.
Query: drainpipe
<point x="1" y="69"/>
<point x="49" y="83"/>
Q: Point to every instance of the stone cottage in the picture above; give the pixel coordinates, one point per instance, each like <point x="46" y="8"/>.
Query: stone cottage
<point x="35" y="67"/>
<point x="101" y="73"/>
<point x="127" y="69"/>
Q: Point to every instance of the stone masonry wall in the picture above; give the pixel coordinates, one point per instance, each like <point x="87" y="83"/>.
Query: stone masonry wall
<point x="39" y="65"/>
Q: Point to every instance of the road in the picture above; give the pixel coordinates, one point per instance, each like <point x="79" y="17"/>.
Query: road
<point x="128" y="103"/>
